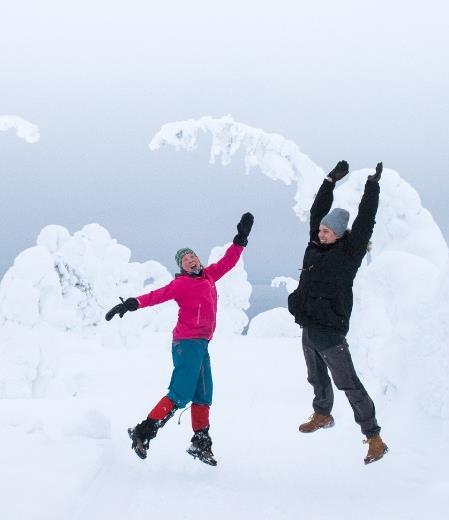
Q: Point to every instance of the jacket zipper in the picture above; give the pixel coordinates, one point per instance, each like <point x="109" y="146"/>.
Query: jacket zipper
<point x="198" y="317"/>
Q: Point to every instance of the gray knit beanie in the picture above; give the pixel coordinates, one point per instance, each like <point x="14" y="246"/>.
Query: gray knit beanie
<point x="182" y="252"/>
<point x="337" y="220"/>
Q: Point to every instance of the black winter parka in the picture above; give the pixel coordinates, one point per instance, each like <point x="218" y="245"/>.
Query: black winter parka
<point x="323" y="298"/>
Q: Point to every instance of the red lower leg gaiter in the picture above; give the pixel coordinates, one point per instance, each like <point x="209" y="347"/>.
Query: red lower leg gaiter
<point x="200" y="417"/>
<point x="160" y="411"/>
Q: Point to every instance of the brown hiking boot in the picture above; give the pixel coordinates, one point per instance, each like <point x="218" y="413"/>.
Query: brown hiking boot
<point x="317" y="421"/>
<point x="376" y="449"/>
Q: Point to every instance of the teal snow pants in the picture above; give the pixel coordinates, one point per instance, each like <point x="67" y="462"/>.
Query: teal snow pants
<point x="192" y="377"/>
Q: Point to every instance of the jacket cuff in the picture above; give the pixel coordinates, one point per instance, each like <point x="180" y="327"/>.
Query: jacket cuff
<point x="240" y="240"/>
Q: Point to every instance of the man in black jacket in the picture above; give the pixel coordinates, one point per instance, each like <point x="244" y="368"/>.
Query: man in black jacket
<point x="322" y="305"/>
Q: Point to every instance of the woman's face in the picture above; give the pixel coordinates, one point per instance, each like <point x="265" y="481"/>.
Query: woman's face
<point x="190" y="262"/>
<point x="326" y="235"/>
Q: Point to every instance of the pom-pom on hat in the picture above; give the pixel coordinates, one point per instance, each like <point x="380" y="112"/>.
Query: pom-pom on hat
<point x="337" y="220"/>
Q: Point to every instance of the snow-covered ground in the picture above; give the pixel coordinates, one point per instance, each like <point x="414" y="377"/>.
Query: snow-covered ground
<point x="70" y="457"/>
<point x="71" y="384"/>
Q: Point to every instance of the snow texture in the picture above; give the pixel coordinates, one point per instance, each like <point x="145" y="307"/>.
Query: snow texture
<point x="275" y="323"/>
<point x="234" y="292"/>
<point x="71" y="457"/>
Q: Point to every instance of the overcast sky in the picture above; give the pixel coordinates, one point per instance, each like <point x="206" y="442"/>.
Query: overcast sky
<point x="361" y="81"/>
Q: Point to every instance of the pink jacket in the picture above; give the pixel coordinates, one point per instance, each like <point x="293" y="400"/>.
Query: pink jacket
<point x="196" y="297"/>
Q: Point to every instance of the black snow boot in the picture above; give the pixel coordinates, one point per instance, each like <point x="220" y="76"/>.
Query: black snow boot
<point x="141" y="436"/>
<point x="201" y="447"/>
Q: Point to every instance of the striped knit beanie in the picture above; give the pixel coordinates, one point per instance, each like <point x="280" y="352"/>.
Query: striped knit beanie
<point x="182" y="252"/>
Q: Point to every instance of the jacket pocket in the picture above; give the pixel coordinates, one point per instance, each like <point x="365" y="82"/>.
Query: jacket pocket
<point x="321" y="302"/>
<point x="177" y="350"/>
<point x="198" y="316"/>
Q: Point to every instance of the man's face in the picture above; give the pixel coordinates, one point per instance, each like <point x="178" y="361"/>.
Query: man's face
<point x="326" y="235"/>
<point x="190" y="262"/>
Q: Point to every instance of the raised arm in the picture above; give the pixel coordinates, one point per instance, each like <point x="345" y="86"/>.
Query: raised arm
<point x="325" y="196"/>
<point x="226" y="263"/>
<point x="234" y="251"/>
<point x="363" y="225"/>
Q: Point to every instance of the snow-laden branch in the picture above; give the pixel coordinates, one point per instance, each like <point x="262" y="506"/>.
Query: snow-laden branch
<point x="277" y="157"/>
<point x="24" y="129"/>
<point x="402" y="222"/>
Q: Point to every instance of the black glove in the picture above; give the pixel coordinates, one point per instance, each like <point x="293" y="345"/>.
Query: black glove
<point x="244" y="229"/>
<point x="340" y="170"/>
<point x="375" y="177"/>
<point x="131" y="304"/>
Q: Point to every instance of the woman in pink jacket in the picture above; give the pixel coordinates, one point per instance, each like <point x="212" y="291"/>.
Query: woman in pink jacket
<point x="194" y="291"/>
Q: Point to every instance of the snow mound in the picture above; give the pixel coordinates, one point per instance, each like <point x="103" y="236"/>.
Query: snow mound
<point x="92" y="423"/>
<point x="275" y="323"/>
<point x="70" y="281"/>
<point x="234" y="292"/>
<point x="19" y="361"/>
<point x="402" y="224"/>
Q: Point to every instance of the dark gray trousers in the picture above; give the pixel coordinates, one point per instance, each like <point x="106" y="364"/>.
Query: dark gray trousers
<point x="337" y="359"/>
